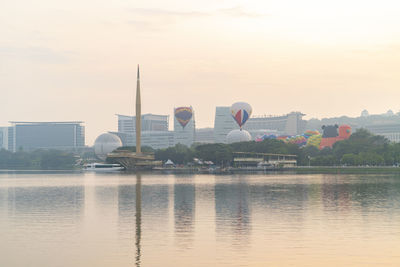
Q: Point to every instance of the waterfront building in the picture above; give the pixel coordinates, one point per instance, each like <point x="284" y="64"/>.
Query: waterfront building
<point x="268" y="160"/>
<point x="185" y="135"/>
<point x="28" y="136"/>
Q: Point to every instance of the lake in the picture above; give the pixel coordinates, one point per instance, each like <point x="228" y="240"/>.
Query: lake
<point x="88" y="219"/>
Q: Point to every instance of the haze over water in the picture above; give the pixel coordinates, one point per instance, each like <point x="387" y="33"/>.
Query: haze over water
<point x="199" y="220"/>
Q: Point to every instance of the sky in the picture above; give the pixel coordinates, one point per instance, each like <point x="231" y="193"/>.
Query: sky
<point x="76" y="60"/>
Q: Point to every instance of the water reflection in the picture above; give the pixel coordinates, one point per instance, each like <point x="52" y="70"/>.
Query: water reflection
<point x="184" y="211"/>
<point x="138" y="217"/>
<point x="60" y="205"/>
<point x="232" y="211"/>
<point x="156" y="220"/>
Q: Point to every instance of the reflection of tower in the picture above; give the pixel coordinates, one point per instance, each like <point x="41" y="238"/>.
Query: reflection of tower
<point x="138" y="216"/>
<point x="138" y="115"/>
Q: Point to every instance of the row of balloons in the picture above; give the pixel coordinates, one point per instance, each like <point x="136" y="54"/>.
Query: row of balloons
<point x="240" y="111"/>
<point x="309" y="138"/>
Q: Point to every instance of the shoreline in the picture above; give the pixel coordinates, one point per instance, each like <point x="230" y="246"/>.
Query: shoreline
<point x="298" y="169"/>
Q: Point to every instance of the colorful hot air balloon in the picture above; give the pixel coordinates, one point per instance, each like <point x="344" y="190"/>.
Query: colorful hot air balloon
<point x="241" y="112"/>
<point x="183" y="115"/>
<point x="309" y="133"/>
<point x="314" y="140"/>
<point x="261" y="138"/>
<point x="299" y="140"/>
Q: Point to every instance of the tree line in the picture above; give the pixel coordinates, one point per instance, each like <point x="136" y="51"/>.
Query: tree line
<point x="37" y="160"/>
<point x="362" y="148"/>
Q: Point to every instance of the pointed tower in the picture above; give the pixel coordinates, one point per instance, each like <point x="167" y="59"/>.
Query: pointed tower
<point x="138" y="115"/>
<point x="136" y="161"/>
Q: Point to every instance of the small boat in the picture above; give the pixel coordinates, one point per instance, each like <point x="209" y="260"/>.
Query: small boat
<point x="103" y="167"/>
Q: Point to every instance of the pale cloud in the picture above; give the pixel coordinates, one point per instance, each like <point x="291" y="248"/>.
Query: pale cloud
<point x="166" y="12"/>
<point x="239" y="11"/>
<point x="154" y="19"/>
<point x="36" y="54"/>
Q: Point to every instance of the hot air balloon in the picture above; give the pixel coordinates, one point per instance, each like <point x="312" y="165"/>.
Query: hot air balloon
<point x="309" y="133"/>
<point x="299" y="140"/>
<point x="183" y="115"/>
<point x="241" y="112"/>
<point x="314" y="140"/>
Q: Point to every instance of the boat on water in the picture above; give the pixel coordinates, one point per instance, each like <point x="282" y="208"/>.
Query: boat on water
<point x="103" y="167"/>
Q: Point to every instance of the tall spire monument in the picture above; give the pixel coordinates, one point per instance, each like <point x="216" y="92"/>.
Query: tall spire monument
<point x="138" y="115"/>
<point x="138" y="160"/>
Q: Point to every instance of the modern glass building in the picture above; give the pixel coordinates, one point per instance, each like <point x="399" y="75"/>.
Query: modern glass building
<point x="4" y="138"/>
<point x="150" y="122"/>
<point x="223" y="124"/>
<point x="155" y="132"/>
<point x="29" y="136"/>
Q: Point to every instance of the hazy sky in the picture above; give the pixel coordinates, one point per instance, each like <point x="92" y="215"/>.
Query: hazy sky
<point x="76" y="60"/>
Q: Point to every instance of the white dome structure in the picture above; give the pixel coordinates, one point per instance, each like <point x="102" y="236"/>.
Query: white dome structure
<point x="105" y="144"/>
<point x="235" y="136"/>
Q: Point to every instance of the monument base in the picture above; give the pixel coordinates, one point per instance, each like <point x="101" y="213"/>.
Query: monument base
<point x="132" y="161"/>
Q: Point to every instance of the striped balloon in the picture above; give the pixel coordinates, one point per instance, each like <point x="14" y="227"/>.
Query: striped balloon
<point x="241" y="112"/>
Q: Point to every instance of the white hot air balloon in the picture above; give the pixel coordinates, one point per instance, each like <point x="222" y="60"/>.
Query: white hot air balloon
<point x="241" y="112"/>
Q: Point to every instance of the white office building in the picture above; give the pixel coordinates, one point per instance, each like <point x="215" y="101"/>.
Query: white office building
<point x="205" y="135"/>
<point x="223" y="124"/>
<point x="154" y="134"/>
<point x="150" y="122"/>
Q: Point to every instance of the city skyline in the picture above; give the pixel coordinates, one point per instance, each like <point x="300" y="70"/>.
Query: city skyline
<point x="60" y="62"/>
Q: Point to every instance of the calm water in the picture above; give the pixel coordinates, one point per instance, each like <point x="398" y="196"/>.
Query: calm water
<point x="199" y="220"/>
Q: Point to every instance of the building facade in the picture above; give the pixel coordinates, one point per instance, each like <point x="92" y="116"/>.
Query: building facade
<point x="223" y="124"/>
<point x="289" y="124"/>
<point x="153" y="139"/>
<point x="150" y="122"/>
<point x="386" y="124"/>
<point x="390" y="131"/>
<point x="29" y="136"/>
<point x="4" y="138"/>
<point x="154" y="132"/>
<point x="205" y="136"/>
